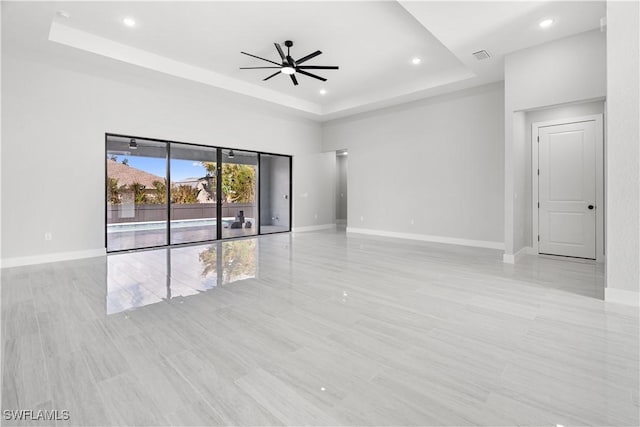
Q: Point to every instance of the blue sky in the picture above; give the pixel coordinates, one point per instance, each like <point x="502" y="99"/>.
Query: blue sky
<point x="180" y="169"/>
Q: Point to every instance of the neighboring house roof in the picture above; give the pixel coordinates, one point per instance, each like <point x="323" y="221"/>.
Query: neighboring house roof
<point x="127" y="175"/>
<point x="202" y="185"/>
<point x="192" y="182"/>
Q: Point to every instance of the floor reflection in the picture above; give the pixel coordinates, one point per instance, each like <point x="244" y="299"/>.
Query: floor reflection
<point x="138" y="279"/>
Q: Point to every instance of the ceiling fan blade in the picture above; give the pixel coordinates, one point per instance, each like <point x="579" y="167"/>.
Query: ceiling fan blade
<point x="311" y="75"/>
<point x="268" y="60"/>
<point x="308" y="57"/>
<point x="272" y="75"/>
<point x="255" y="68"/>
<point x="280" y="52"/>
<point x="319" y="67"/>
<point x="293" y="79"/>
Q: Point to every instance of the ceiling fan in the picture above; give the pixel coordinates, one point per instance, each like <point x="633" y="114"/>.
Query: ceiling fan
<point x="290" y="66"/>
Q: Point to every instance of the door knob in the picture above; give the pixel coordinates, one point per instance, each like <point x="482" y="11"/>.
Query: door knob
<point x="590" y="207"/>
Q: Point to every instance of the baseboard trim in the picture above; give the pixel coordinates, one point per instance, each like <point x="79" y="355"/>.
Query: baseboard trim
<point x="428" y="238"/>
<point x="341" y="221"/>
<point x="621" y="296"/>
<point x="313" y="228"/>
<point x="55" y="257"/>
<point x="514" y="258"/>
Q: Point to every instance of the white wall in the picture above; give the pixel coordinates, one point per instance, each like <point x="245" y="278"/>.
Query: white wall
<point x="314" y="180"/>
<point x="57" y="105"/>
<point x="558" y="72"/>
<point x="520" y="189"/>
<point x="438" y="162"/>
<point x="623" y="153"/>
<point x="564" y="71"/>
<point x="1" y="118"/>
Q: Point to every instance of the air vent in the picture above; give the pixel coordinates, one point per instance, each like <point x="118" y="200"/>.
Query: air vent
<point x="481" y="55"/>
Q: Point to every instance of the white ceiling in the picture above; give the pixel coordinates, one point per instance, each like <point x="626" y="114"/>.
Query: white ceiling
<point x="373" y="42"/>
<point x="502" y="27"/>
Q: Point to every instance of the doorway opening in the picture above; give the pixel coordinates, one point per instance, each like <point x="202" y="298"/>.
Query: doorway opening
<point x="341" y="187"/>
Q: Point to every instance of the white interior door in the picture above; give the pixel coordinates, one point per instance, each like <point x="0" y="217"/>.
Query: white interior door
<point x="567" y="190"/>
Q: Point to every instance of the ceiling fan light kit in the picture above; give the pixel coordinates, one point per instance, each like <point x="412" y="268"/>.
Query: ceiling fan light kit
<point x="291" y="66"/>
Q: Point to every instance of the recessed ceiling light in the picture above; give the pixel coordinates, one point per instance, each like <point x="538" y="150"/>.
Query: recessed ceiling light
<point x="323" y="91"/>
<point x="545" y="23"/>
<point x="416" y="61"/>
<point x="129" y="22"/>
<point x="63" y="14"/>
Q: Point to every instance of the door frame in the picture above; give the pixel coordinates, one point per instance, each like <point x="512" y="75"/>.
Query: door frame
<point x="600" y="208"/>
<point x="218" y="149"/>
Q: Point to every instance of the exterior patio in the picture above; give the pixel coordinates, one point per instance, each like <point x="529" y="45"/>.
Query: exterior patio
<point x="132" y="226"/>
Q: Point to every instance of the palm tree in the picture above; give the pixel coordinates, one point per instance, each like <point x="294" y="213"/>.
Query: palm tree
<point x="139" y="194"/>
<point x="159" y="192"/>
<point x="238" y="181"/>
<point x="114" y="191"/>
<point x="184" y="194"/>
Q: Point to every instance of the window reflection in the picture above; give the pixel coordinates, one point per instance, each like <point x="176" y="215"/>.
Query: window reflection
<point x="139" y="279"/>
<point x="238" y="260"/>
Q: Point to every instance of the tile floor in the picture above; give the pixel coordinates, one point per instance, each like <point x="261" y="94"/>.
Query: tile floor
<point x="318" y="328"/>
<point x="127" y="240"/>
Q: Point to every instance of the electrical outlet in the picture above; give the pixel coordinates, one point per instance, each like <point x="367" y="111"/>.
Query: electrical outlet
<point x="48" y="236"/>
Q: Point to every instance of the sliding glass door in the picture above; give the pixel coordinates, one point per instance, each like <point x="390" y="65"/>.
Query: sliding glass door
<point x="193" y="172"/>
<point x="162" y="193"/>
<point x="275" y="189"/>
<point x="136" y="214"/>
<point x="239" y="193"/>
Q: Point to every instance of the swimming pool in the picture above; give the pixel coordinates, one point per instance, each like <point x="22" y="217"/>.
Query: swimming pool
<point x="176" y="224"/>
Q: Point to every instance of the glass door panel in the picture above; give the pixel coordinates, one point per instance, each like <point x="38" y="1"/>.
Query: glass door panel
<point x="239" y="193"/>
<point x="275" y="200"/>
<point x="193" y="193"/>
<point x="136" y="193"/>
